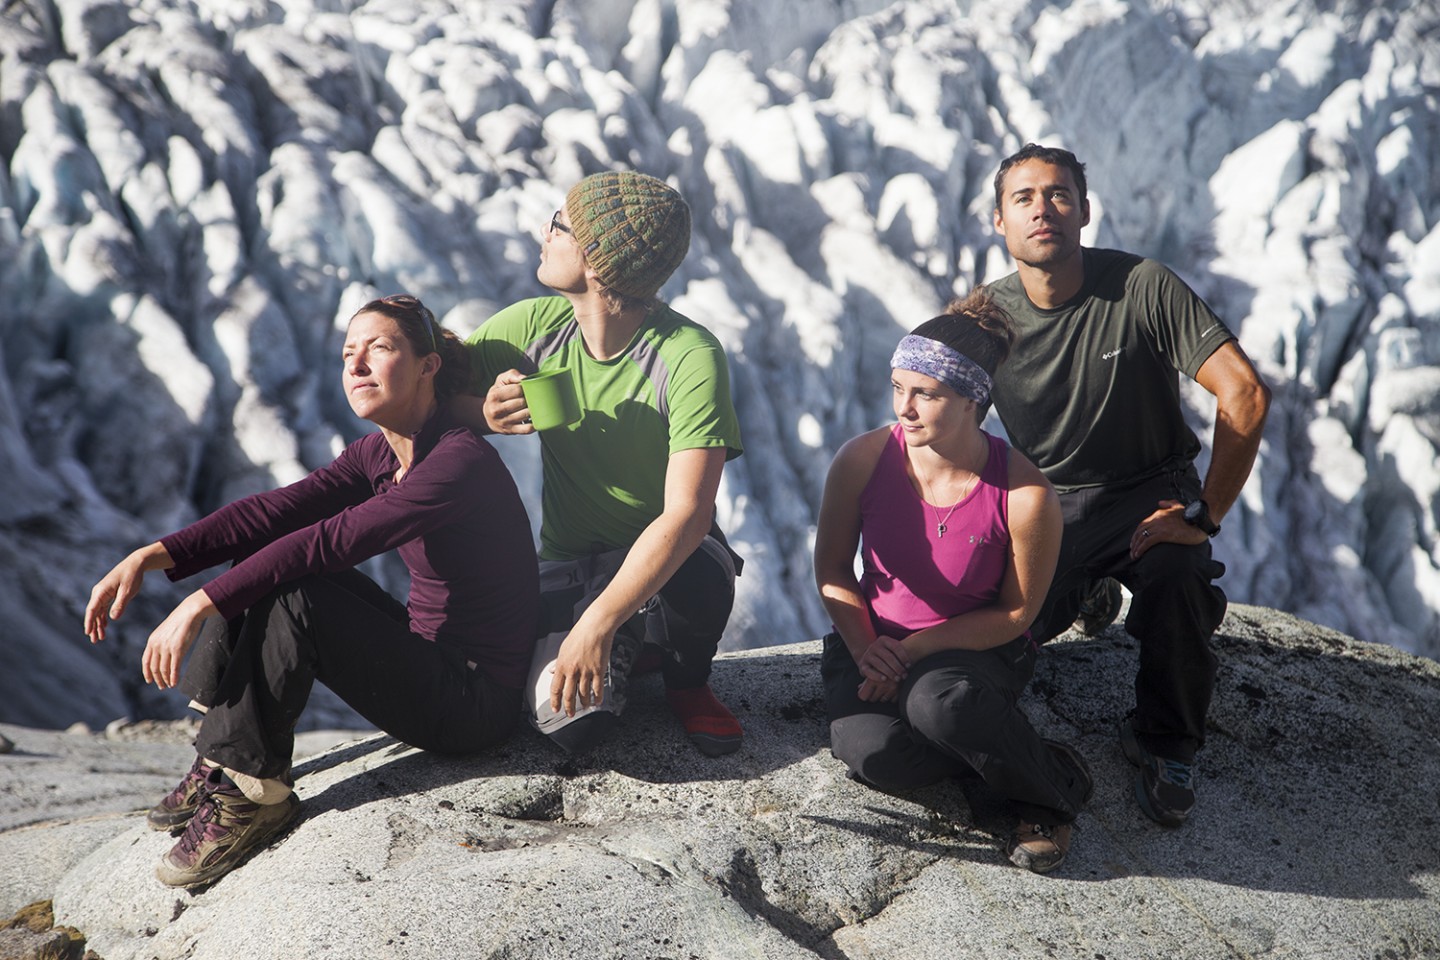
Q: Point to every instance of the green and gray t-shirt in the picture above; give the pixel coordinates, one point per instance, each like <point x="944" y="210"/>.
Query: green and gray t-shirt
<point x="604" y="476"/>
<point x="1091" y="391"/>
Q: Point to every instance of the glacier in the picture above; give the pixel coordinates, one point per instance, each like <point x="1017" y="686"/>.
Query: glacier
<point x="196" y="194"/>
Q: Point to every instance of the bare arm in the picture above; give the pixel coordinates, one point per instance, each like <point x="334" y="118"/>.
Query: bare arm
<point x="166" y="648"/>
<point x="882" y="660"/>
<point x="1242" y="403"/>
<point x="110" y="597"/>
<point x="692" y="481"/>
<point x="1035" y="528"/>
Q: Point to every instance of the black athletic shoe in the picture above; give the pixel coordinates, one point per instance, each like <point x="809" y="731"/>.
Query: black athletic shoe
<point x="1165" y="789"/>
<point x="1100" y="607"/>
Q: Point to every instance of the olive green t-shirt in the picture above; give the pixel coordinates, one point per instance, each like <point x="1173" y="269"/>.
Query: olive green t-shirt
<point x="604" y="476"/>
<point x="1091" y="390"/>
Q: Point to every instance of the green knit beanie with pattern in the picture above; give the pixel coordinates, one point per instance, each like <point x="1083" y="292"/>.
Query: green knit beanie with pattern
<point x="633" y="229"/>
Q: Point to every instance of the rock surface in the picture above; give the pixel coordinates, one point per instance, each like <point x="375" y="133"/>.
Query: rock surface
<point x="194" y="195"/>
<point x="1315" y="836"/>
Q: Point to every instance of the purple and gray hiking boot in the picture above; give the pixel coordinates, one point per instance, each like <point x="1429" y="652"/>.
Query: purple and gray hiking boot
<point x="225" y="829"/>
<point x="179" y="804"/>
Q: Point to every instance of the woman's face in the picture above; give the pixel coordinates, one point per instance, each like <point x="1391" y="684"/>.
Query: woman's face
<point x="384" y="379"/>
<point x="926" y="408"/>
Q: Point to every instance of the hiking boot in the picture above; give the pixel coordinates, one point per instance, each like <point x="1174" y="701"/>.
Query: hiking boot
<point x="1164" y="788"/>
<point x="1100" y="606"/>
<point x="178" y="806"/>
<point x="710" y="726"/>
<point x="1037" y="848"/>
<point x="225" y="829"/>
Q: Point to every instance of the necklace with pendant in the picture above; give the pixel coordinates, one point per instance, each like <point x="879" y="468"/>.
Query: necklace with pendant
<point x="940" y="522"/>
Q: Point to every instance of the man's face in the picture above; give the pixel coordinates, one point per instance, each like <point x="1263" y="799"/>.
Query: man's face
<point x="562" y="266"/>
<point x="1041" y="214"/>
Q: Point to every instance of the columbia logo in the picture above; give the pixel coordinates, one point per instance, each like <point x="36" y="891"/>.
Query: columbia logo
<point x="1110" y="356"/>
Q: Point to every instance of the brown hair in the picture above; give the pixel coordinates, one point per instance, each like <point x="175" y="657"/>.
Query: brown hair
<point x="974" y="325"/>
<point x="425" y="335"/>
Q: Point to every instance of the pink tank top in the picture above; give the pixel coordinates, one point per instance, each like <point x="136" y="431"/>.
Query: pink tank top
<point x="914" y="578"/>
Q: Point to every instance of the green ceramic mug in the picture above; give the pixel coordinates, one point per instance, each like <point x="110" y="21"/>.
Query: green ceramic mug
<point x="551" y="398"/>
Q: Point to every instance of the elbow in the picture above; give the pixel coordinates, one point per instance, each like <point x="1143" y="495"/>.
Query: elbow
<point x="1257" y="399"/>
<point x="696" y="528"/>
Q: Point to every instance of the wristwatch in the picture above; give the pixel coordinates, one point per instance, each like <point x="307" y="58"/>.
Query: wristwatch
<point x="1197" y="514"/>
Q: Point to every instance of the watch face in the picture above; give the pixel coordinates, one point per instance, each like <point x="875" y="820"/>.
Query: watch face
<point x="1192" y="510"/>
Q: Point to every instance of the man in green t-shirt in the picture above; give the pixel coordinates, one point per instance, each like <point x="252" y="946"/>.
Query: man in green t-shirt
<point x="633" y="565"/>
<point x="1091" y="395"/>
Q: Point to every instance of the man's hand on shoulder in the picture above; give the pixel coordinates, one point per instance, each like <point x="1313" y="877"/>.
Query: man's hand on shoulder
<point x="1166" y="525"/>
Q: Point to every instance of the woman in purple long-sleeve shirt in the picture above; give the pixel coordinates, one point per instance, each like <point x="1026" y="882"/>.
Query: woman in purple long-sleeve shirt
<point x="443" y="673"/>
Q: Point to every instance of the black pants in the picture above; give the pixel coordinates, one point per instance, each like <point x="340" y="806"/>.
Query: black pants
<point x="1175" y="610"/>
<point x="957" y="709"/>
<point x="684" y="620"/>
<point x="254" y="674"/>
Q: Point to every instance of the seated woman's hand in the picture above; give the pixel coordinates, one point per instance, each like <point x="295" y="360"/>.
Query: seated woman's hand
<point x="168" y="644"/>
<point x="110" y="597"/>
<point x="872" y="692"/>
<point x="884" y="661"/>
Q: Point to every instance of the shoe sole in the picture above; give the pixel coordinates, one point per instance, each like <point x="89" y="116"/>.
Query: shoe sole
<point x="173" y="822"/>
<point x="716" y="746"/>
<point x="1022" y="859"/>
<point x="238" y="855"/>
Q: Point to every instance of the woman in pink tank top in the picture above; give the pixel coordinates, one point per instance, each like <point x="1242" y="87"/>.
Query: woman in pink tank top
<point x="958" y="537"/>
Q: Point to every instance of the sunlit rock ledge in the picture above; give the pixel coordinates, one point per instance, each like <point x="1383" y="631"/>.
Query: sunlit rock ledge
<point x="1315" y="834"/>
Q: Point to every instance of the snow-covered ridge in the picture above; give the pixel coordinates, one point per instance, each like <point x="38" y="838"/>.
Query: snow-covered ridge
<point x="194" y="196"/>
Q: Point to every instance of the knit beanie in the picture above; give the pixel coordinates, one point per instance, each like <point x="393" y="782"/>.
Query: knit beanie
<point x="633" y="229"/>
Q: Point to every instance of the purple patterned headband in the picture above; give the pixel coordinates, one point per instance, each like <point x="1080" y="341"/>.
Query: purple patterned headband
<point x="950" y="367"/>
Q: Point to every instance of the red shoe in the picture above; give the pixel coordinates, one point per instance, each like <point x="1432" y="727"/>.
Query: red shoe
<point x="711" y="727"/>
<point x="649" y="660"/>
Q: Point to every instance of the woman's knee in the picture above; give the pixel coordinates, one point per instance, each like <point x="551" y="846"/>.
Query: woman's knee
<point x="956" y="712"/>
<point x="883" y="756"/>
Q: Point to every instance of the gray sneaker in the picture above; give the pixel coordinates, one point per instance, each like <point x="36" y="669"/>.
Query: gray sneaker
<point x="225" y="829"/>
<point x="1164" y="788"/>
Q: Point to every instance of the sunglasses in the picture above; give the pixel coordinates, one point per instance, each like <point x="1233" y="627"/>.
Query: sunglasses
<point x="406" y="302"/>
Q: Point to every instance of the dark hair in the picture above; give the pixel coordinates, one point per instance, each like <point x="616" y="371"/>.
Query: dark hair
<point x="425" y="336"/>
<point x="976" y="326"/>
<point x="1033" y="151"/>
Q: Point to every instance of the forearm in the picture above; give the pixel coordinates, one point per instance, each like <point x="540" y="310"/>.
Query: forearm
<point x="153" y="556"/>
<point x="981" y="629"/>
<point x="849" y="613"/>
<point x="468" y="410"/>
<point x="1233" y="455"/>
<point x="1241" y="408"/>
<point x="652" y="560"/>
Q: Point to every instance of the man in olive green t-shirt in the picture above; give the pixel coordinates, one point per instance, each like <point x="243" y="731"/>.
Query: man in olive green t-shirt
<point x="1091" y="394"/>
<point x="630" y="552"/>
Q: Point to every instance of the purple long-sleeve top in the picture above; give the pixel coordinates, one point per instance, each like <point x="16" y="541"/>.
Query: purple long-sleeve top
<point x="456" y="520"/>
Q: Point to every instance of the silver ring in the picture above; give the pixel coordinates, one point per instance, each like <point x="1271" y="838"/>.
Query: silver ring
<point x="1144" y="533"/>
